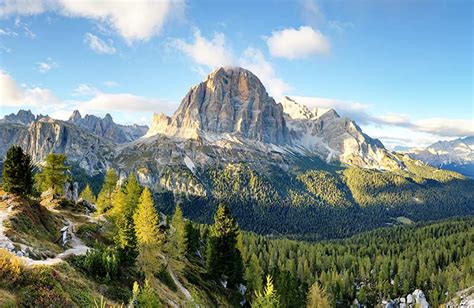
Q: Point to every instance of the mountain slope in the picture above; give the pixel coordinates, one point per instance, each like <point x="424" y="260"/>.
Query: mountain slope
<point x="456" y="155"/>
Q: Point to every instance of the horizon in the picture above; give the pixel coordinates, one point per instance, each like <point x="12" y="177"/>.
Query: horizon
<point x="401" y="71"/>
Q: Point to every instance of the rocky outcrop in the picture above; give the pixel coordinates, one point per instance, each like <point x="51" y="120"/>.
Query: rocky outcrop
<point x="24" y="117"/>
<point x="230" y="100"/>
<point x="47" y="135"/>
<point x="107" y="128"/>
<point x="334" y="138"/>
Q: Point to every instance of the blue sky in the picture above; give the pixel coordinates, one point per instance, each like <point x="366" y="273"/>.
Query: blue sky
<point x="401" y="69"/>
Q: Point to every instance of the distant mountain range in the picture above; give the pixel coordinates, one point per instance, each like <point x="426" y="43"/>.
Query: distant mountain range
<point x="456" y="155"/>
<point x="281" y="167"/>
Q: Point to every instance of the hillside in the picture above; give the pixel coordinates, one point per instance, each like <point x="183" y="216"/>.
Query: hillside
<point x="55" y="275"/>
<point x="39" y="269"/>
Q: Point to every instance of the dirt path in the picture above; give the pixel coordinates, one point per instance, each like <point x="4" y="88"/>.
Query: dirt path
<point x="77" y="246"/>
<point x="180" y="286"/>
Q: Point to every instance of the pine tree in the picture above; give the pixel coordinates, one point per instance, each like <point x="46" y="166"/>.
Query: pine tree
<point x="53" y="174"/>
<point x="17" y="172"/>
<point x="254" y="274"/>
<point x="317" y="297"/>
<point x="192" y="236"/>
<point x="224" y="260"/>
<point x="148" y="235"/>
<point x="88" y="195"/>
<point x="179" y="236"/>
<point x="268" y="298"/>
<point x="104" y="199"/>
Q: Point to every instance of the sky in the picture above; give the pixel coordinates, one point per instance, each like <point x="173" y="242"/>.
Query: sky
<point x="401" y="69"/>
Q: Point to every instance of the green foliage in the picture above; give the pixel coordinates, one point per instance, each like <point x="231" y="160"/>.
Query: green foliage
<point x="253" y="275"/>
<point x="179" y="236"/>
<point x="436" y="258"/>
<point x="148" y="235"/>
<point x="53" y="174"/>
<point x="268" y="298"/>
<point x="224" y="260"/>
<point x="101" y="263"/>
<point x="327" y="187"/>
<point x="88" y="195"/>
<point x="192" y="238"/>
<point x="144" y="297"/>
<point x="105" y="197"/>
<point x="125" y="201"/>
<point x="17" y="172"/>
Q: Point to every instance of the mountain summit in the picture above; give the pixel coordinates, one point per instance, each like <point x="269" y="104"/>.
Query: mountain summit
<point x="233" y="105"/>
<point x="230" y="100"/>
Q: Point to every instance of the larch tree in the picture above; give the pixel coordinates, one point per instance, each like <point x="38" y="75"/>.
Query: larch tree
<point x="53" y="174"/>
<point x="105" y="197"/>
<point x="317" y="297"/>
<point x="148" y="235"/>
<point x="88" y="195"/>
<point x="17" y="172"/>
<point x="268" y="298"/>
<point x="179" y="236"/>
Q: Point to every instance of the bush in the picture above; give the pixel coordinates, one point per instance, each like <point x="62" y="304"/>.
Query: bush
<point x="11" y="268"/>
<point x="101" y="263"/>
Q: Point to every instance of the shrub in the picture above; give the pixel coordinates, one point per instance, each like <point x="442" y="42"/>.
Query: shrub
<point x="11" y="268"/>
<point x="101" y="262"/>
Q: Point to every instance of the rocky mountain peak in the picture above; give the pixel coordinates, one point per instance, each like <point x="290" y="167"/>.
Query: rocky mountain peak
<point x="75" y="116"/>
<point x="230" y="101"/>
<point x="24" y="117"/>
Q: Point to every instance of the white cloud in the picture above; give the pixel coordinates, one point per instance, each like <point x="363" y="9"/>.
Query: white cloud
<point x="210" y="53"/>
<point x="311" y="12"/>
<point x="22" y="7"/>
<point x="84" y="90"/>
<point x="14" y="96"/>
<point x="140" y="21"/>
<point x="110" y="84"/>
<point x="125" y="102"/>
<point x="41" y="100"/>
<point x="253" y="60"/>
<point x="299" y="43"/>
<point x="99" y="46"/>
<point x="46" y="66"/>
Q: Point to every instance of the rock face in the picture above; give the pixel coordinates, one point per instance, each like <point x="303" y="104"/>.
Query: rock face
<point x="232" y="106"/>
<point x="107" y="128"/>
<point x="24" y="117"/>
<point x="456" y="155"/>
<point x="47" y="135"/>
<point x="230" y="100"/>
<point x="334" y="138"/>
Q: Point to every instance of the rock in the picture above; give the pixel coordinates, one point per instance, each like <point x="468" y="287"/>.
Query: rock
<point x="410" y="299"/>
<point x="107" y="128"/>
<point x="230" y="100"/>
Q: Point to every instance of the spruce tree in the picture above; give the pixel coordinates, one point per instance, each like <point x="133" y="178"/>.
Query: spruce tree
<point x="104" y="199"/>
<point x="148" y="235"/>
<point x="179" y="236"/>
<point x="88" y="195"/>
<point x="17" y="172"/>
<point x="224" y="260"/>
<point x="192" y="236"/>
<point x="254" y="274"/>
<point x="53" y="175"/>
